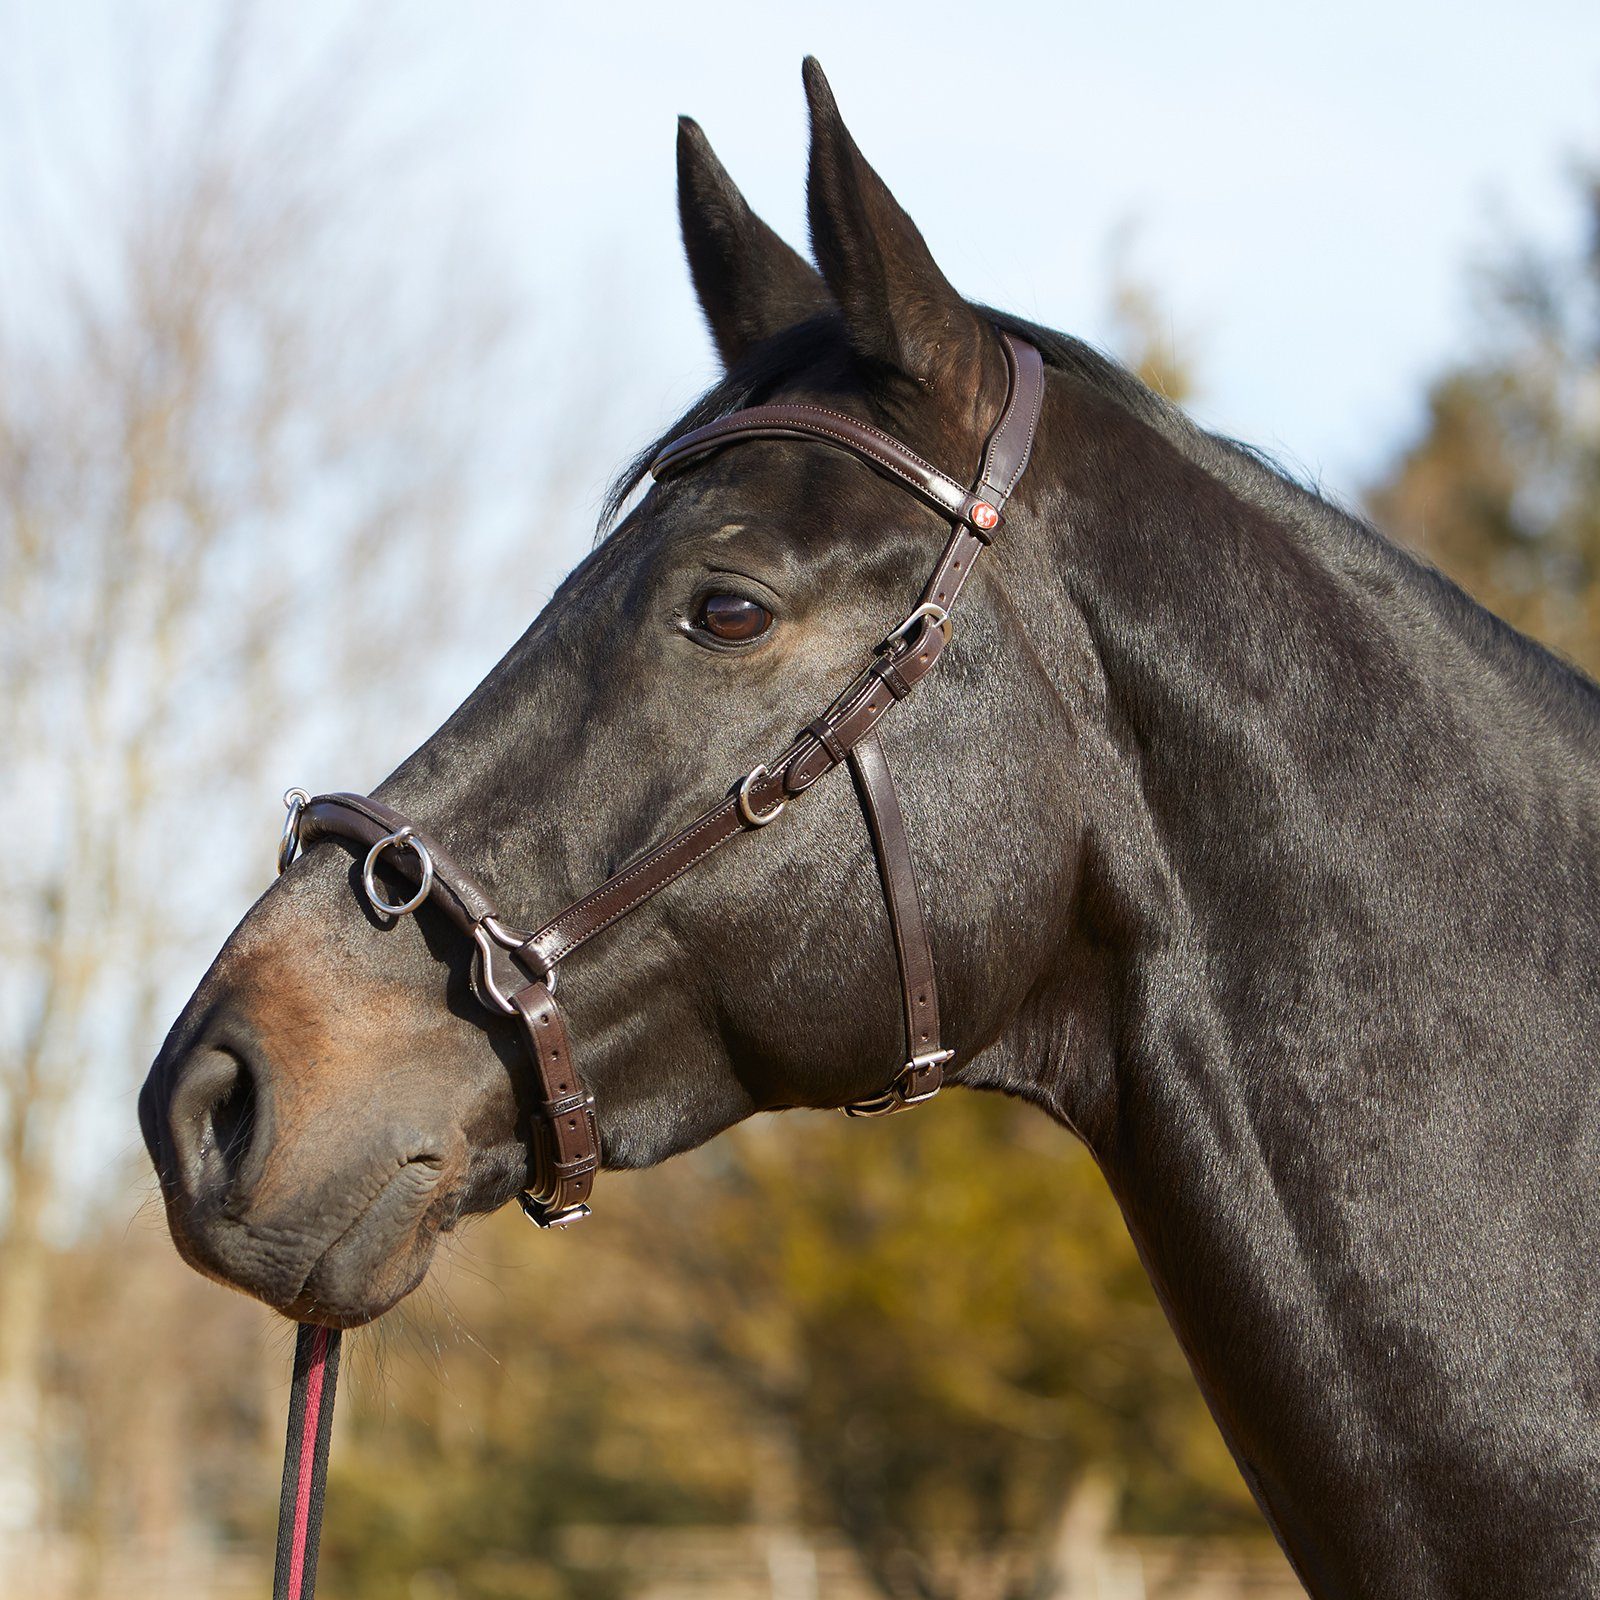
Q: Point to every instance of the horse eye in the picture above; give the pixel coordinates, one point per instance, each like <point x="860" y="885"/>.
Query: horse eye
<point x="733" y="617"/>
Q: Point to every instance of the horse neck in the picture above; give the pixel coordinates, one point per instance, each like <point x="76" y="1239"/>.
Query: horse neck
<point x="1332" y="991"/>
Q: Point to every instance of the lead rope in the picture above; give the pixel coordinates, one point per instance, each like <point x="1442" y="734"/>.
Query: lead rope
<point x="305" y="1461"/>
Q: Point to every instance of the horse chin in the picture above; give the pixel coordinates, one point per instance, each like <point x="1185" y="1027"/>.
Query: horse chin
<point x="365" y="1273"/>
<point x="335" y="1301"/>
<point x="347" y="1279"/>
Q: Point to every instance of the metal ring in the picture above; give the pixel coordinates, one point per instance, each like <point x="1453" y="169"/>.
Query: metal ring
<point x="296" y="800"/>
<point x="757" y="819"/>
<point x="510" y="939"/>
<point x="940" y="616"/>
<point x="401" y="836"/>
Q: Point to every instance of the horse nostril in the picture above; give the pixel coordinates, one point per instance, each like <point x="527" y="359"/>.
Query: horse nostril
<point x="212" y="1118"/>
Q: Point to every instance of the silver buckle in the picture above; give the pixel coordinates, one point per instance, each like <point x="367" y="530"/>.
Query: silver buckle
<point x="757" y="819"/>
<point x="941" y="619"/>
<point x="895" y="1098"/>
<point x="934" y="1058"/>
<point x="535" y="1212"/>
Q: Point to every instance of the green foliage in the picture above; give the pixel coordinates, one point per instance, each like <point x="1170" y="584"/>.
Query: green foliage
<point x="1502" y="488"/>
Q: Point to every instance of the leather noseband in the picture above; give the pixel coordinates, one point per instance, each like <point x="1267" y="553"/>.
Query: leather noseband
<point x="514" y="973"/>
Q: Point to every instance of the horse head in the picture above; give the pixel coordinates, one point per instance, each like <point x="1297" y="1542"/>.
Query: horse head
<point x="334" y="1097"/>
<point x="1247" y="846"/>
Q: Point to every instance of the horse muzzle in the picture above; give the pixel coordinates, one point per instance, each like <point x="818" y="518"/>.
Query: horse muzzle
<point x="338" y="1239"/>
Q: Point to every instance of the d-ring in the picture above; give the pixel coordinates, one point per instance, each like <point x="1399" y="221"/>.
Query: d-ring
<point x="401" y="836"/>
<point x="288" y="846"/>
<point x="757" y="819"/>
<point x="490" y="934"/>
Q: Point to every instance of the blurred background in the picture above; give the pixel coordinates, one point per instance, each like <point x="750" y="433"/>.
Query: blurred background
<point x="312" y="318"/>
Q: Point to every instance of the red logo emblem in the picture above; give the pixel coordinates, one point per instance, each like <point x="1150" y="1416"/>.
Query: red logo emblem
<point x="984" y="516"/>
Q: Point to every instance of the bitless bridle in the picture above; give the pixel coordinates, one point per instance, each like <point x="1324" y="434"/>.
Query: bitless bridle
<point x="514" y="973"/>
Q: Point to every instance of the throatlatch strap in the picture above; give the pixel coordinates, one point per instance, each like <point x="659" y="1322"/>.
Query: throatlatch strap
<point x="923" y="1071"/>
<point x="305" y="1461"/>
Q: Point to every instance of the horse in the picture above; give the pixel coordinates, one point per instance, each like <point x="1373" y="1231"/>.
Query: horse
<point x="1256" y="854"/>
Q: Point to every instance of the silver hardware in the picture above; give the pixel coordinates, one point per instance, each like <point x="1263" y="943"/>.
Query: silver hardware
<point x="895" y="1098"/>
<point x="535" y="1212"/>
<point x="933" y="1058"/>
<point x="490" y="934"/>
<point x="880" y="1105"/>
<point x="289" y="844"/>
<point x="757" y="819"/>
<point x="401" y="838"/>
<point x="940" y="616"/>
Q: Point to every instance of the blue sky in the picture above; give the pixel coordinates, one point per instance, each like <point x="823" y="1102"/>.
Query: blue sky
<point x="1307" y="185"/>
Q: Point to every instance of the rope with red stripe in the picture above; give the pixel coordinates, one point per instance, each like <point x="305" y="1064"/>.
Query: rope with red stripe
<point x="305" y="1461"/>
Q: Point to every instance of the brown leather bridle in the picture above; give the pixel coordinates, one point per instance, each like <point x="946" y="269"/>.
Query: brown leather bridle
<point x="514" y="973"/>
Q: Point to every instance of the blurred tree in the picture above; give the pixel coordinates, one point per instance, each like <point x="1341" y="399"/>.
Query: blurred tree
<point x="232" y="452"/>
<point x="960" y="1353"/>
<point x="242" y="444"/>
<point x="1502" y="488"/>
<point x="1140" y="322"/>
<point x="810" y="1324"/>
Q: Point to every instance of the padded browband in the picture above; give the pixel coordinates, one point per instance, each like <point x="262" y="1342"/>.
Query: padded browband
<point x="831" y="427"/>
<point x="1005" y="456"/>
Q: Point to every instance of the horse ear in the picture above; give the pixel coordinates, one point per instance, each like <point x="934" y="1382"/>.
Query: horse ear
<point x="750" y="283"/>
<point x="899" y="308"/>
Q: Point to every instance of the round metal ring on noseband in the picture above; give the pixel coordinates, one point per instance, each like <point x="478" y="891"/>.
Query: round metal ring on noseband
<point x="757" y="819"/>
<point x="288" y="846"/>
<point x="405" y="837"/>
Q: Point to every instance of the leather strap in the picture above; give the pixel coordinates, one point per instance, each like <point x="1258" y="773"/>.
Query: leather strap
<point x="565" y="1140"/>
<point x="1005" y="453"/>
<point x="923" y="1072"/>
<point x="363" y="820"/>
<point x="854" y="714"/>
<point x="514" y="972"/>
<point x="799" y="421"/>
<point x="567" y="1143"/>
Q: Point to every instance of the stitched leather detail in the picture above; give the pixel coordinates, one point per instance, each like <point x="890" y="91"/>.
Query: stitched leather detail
<point x="566" y="1143"/>
<point x="365" y="820"/>
<point x="823" y="734"/>
<point x="889" y="673"/>
<point x="1006" y="455"/>
<point x="800" y="420"/>
<point x="663" y="865"/>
